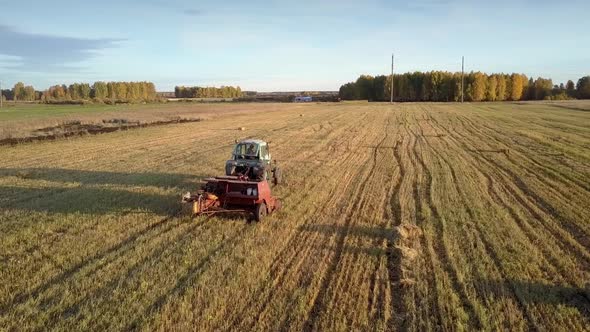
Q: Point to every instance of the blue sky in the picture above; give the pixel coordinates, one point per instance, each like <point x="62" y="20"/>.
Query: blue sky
<point x="285" y="45"/>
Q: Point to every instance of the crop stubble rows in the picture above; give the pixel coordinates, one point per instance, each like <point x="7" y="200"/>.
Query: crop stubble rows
<point x="404" y="217"/>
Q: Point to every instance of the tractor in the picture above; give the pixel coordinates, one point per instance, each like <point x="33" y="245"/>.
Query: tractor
<point x="245" y="187"/>
<point x="251" y="158"/>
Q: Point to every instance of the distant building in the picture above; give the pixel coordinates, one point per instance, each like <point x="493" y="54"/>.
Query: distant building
<point x="302" y="99"/>
<point x="166" y="94"/>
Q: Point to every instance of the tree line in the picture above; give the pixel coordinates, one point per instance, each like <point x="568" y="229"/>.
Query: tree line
<point x="115" y="92"/>
<point x="22" y="93"/>
<point x="446" y="86"/>
<point x="207" y="92"/>
<point x="102" y="91"/>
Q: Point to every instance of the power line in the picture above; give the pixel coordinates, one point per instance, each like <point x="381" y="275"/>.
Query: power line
<point x="462" y="73"/>
<point x="391" y="100"/>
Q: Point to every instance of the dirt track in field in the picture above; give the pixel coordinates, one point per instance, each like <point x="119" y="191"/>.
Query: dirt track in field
<point x="403" y="217"/>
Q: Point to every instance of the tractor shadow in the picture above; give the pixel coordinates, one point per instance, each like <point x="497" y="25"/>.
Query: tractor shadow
<point x="99" y="177"/>
<point x="96" y="192"/>
<point x="531" y="292"/>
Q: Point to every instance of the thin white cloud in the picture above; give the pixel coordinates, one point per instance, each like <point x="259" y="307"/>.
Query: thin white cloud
<point x="47" y="53"/>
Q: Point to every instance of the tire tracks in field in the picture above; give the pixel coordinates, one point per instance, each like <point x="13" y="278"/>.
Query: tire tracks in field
<point x="563" y="242"/>
<point x="294" y="252"/>
<point x="319" y="302"/>
<point x="546" y="168"/>
<point x="392" y="217"/>
<point x="377" y="295"/>
<point x="494" y="194"/>
<point x="394" y="260"/>
<point x="430" y="278"/>
<point x="378" y="242"/>
<point x="475" y="319"/>
<point x="580" y="243"/>
<point x="572" y="227"/>
<point x="488" y="247"/>
<point x="506" y="188"/>
<point x="439" y="245"/>
<point x="340" y="235"/>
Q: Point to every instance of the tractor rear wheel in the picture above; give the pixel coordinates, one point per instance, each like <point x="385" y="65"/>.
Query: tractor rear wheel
<point x="260" y="212"/>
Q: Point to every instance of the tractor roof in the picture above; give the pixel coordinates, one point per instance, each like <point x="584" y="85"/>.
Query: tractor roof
<point x="255" y="141"/>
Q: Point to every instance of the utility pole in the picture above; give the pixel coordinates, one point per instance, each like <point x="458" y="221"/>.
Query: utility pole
<point x="391" y="100"/>
<point x="462" y="74"/>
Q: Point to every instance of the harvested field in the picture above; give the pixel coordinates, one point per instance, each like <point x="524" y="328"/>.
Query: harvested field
<point x="77" y="128"/>
<point x="396" y="217"/>
<point x="23" y="122"/>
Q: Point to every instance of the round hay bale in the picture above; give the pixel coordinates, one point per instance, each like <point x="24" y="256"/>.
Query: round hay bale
<point x="301" y="115"/>
<point x="242" y="128"/>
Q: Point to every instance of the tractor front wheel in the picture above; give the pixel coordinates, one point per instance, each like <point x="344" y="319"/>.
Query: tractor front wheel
<point x="260" y="212"/>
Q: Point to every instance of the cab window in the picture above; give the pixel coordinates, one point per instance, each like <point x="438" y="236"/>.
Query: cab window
<point x="246" y="150"/>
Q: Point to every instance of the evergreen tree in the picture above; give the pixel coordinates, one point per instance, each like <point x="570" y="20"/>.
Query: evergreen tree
<point x="364" y="84"/>
<point x="570" y="89"/>
<point x="583" y="87"/>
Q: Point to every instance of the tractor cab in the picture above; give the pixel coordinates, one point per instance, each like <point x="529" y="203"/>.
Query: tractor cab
<point x="252" y="150"/>
<point x="251" y="158"/>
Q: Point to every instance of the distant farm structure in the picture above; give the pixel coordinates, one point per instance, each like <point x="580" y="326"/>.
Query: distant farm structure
<point x="297" y="96"/>
<point x="303" y="99"/>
